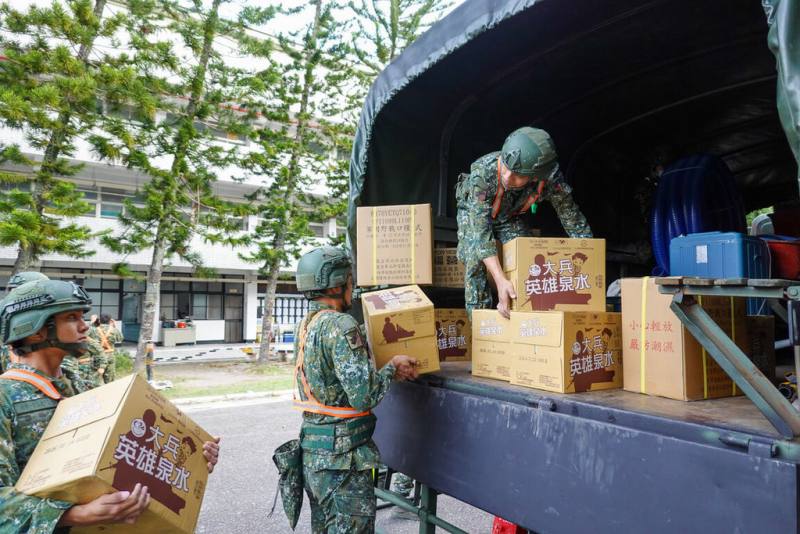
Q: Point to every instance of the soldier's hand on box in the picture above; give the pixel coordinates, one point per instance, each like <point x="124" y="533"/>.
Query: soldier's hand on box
<point x="405" y="367"/>
<point x="119" y="507"/>
<point x="505" y="292"/>
<point x="211" y="452"/>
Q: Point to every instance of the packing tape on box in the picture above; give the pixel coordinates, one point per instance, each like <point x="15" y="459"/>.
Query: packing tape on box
<point x="705" y="354"/>
<point x="413" y="246"/>
<point x="374" y="246"/>
<point x="642" y="334"/>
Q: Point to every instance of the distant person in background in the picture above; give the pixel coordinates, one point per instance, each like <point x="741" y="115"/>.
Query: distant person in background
<point x="149" y="359"/>
<point x="104" y="331"/>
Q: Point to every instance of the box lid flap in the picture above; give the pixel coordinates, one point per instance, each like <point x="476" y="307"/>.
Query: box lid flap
<point x="93" y="405"/>
<point x="538" y="328"/>
<point x="394" y="300"/>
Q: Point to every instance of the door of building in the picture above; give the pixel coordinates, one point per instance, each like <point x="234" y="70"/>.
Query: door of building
<point x="234" y="312"/>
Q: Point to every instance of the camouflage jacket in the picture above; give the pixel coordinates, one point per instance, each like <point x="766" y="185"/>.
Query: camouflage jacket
<point x="112" y="335"/>
<point x="476" y="192"/>
<point x="340" y="372"/>
<point x="24" y="414"/>
<point x="69" y="366"/>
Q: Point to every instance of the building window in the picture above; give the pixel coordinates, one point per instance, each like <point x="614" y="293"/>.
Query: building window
<point x="288" y="309"/>
<point x="318" y="229"/>
<point x="198" y="300"/>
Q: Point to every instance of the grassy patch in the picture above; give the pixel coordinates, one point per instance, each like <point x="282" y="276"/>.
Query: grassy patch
<point x="256" y="386"/>
<point x="124" y="364"/>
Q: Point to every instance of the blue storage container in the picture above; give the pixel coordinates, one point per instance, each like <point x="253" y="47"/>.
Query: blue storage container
<point x="721" y="255"/>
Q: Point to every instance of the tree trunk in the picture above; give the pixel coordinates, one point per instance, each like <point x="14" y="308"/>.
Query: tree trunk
<point x="160" y="243"/>
<point x="28" y="255"/>
<point x="290" y="195"/>
<point x="269" y="305"/>
<point x="152" y="291"/>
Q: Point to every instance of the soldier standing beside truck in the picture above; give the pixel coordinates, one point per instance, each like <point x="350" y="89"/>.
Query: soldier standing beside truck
<point x="338" y="387"/>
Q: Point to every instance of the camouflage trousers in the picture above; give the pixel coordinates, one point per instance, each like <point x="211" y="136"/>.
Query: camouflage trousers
<point x="342" y="501"/>
<point x="477" y="288"/>
<point x="110" y="373"/>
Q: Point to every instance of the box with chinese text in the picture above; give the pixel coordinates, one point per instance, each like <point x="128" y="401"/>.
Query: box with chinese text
<point x="557" y="273"/>
<point x="491" y="345"/>
<point x="112" y="437"/>
<point x="567" y="352"/>
<point x="447" y="270"/>
<point x="662" y="358"/>
<point x="453" y="334"/>
<point x="401" y="321"/>
<point x="395" y="245"/>
<point x="761" y="336"/>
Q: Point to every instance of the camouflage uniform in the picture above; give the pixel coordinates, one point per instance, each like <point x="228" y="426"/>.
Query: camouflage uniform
<point x="24" y="414"/>
<point x="69" y="366"/>
<point x="5" y="358"/>
<point x="113" y="336"/>
<point x="477" y="230"/>
<point x="340" y="372"/>
<point x="91" y="361"/>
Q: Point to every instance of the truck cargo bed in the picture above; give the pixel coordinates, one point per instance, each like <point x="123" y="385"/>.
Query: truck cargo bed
<point x="592" y="462"/>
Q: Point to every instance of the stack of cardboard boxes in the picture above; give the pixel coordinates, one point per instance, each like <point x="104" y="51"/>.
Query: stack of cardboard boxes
<point x="560" y="336"/>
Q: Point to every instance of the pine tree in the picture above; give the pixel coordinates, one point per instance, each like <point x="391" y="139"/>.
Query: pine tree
<point x="51" y="81"/>
<point x="295" y="148"/>
<point x="191" y="84"/>
<point x="383" y="28"/>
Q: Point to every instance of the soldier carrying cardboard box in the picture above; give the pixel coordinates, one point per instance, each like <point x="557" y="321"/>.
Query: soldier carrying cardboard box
<point x="43" y="321"/>
<point x="338" y="386"/>
<point x="499" y="189"/>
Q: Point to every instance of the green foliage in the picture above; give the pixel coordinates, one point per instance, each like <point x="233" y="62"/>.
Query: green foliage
<point x="383" y="28"/>
<point x="189" y="82"/>
<point x="296" y="144"/>
<point x="49" y="87"/>
<point x="124" y="363"/>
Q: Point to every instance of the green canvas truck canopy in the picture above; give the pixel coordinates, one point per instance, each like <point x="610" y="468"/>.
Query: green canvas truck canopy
<point x="621" y="85"/>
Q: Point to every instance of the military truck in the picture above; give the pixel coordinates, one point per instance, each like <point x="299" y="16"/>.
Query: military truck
<point x="623" y="87"/>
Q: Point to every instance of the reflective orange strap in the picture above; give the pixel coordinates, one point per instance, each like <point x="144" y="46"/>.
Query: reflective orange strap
<point x="311" y="404"/>
<point x="107" y="347"/>
<point x="37" y="381"/>
<point x="532" y="199"/>
<point x="333" y="411"/>
<point x="498" y="196"/>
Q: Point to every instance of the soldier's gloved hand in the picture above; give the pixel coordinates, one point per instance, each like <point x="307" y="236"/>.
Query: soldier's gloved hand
<point x="505" y="292"/>
<point x="119" y="507"/>
<point x="405" y="367"/>
<point x="211" y="452"/>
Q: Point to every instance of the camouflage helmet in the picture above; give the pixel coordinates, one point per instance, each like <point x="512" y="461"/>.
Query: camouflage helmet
<point x="528" y="151"/>
<point x="322" y="268"/>
<point x="21" y="278"/>
<point x="29" y="307"/>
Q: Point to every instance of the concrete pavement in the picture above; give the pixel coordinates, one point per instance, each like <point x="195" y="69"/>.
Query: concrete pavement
<point x="241" y="490"/>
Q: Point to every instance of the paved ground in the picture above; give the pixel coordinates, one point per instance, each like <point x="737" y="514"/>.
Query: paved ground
<point x="240" y="492"/>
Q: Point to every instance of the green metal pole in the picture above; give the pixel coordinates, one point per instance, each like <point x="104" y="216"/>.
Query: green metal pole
<point x="426" y="516"/>
<point x="427" y="505"/>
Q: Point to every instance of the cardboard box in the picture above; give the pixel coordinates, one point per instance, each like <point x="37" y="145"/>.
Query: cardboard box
<point x="491" y="345"/>
<point x="557" y="274"/>
<point x="114" y="436"/>
<point x="761" y="336"/>
<point x="401" y="321"/>
<point x="567" y="352"/>
<point x="453" y="334"/>
<point x="661" y="357"/>
<point x="395" y="245"/>
<point x="447" y="270"/>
